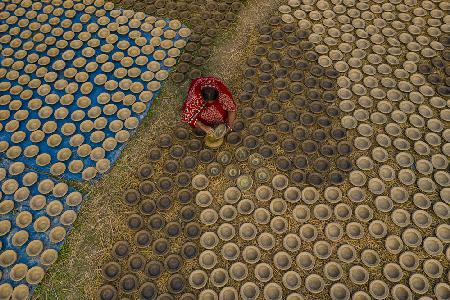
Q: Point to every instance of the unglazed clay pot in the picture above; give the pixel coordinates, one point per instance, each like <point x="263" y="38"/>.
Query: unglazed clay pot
<point x="251" y="254"/>
<point x="111" y="271"/>
<point x="249" y="291"/>
<point x="282" y="260"/>
<point x="370" y="258"/>
<point x="314" y="283"/>
<point x="230" y="251"/>
<point x="226" y="232"/>
<point x="322" y="249"/>
<point x="238" y="271"/>
<point x="198" y="279"/>
<point x="128" y="283"/>
<point x="280" y="182"/>
<point x="203" y="198"/>
<point x="228" y="293"/>
<point x="433" y="246"/>
<point x="333" y="271"/>
<point x="339" y="291"/>
<point x="208" y="216"/>
<point x="392" y="272"/>
<point x="200" y="182"/>
<point x="273" y="291"/>
<point x="232" y="195"/>
<point x="219" y="277"/>
<point x="305" y="260"/>
<point x="264" y="193"/>
<point x="412" y="237"/>
<point x="418" y="283"/>
<point x="442" y="291"/>
<point x="35" y="275"/>
<point x="291" y="280"/>
<point x="248" y="231"/>
<point x="279" y="225"/>
<point x="378" y="289"/>
<point x="401" y="292"/>
<point x="346" y="253"/>
<point x="263" y="272"/>
<point x="291" y="242"/>
<point x="208" y="259"/>
<point x="443" y="232"/>
<point x="358" y="275"/>
<point x="432" y="268"/>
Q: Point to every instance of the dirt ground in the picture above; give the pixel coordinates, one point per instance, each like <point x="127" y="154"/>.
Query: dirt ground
<point x="76" y="274"/>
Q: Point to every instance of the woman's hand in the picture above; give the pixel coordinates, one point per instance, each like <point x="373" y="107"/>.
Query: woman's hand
<point x="205" y="128"/>
<point x="209" y="130"/>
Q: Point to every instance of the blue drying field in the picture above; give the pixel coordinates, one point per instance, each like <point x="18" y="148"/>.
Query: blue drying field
<point x="72" y="93"/>
<point x="76" y="80"/>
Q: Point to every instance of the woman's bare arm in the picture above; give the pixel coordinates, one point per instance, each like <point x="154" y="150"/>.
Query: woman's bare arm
<point x="231" y="118"/>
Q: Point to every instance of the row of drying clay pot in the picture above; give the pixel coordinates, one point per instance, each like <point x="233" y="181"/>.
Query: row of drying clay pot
<point x="313" y="283"/>
<point x="398" y="96"/>
<point x="95" y="123"/>
<point x="38" y="213"/>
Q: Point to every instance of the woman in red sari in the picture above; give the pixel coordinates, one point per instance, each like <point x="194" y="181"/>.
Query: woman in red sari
<point x="208" y="104"/>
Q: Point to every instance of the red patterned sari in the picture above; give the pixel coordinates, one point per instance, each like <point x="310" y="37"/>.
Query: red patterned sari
<point x="196" y="109"/>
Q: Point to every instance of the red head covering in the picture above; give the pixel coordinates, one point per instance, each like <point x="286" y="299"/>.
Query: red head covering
<point x="195" y="103"/>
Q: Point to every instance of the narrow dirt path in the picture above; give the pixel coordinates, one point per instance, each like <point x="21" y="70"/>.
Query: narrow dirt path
<point x="102" y="220"/>
<point x="227" y="59"/>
